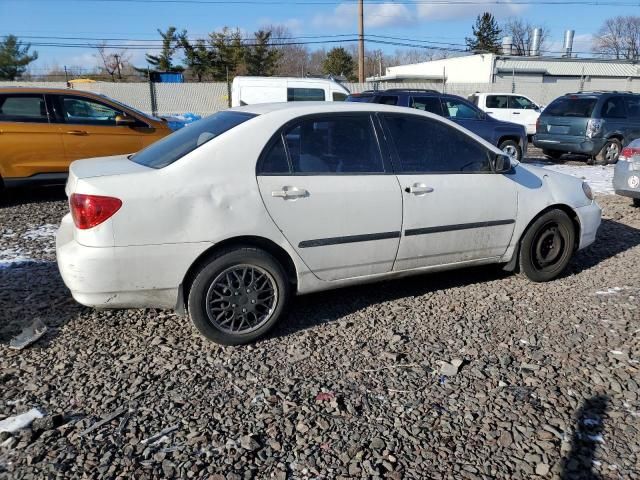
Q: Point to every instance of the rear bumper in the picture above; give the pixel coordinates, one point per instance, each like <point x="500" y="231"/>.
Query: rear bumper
<point x="145" y="276"/>
<point x="569" y="144"/>
<point x="589" y="217"/>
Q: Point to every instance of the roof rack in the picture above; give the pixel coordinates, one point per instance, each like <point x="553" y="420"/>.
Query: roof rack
<point x="599" y="91"/>
<point x="424" y="90"/>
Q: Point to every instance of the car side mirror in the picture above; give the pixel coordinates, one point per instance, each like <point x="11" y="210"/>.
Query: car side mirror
<point x="123" y="121"/>
<point x="501" y="163"/>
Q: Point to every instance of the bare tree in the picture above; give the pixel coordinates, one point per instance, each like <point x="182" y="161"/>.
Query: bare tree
<point x="294" y="59"/>
<point x="619" y="37"/>
<point x="112" y="63"/>
<point x="522" y="33"/>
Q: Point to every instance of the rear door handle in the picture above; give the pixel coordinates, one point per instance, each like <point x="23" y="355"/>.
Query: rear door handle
<point x="418" y="189"/>
<point x="290" y="193"/>
<point x="77" y="132"/>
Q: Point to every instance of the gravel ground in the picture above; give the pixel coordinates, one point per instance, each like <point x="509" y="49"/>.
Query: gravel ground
<point x="463" y="375"/>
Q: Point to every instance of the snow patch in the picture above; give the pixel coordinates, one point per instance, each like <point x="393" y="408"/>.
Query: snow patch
<point x="46" y="231"/>
<point x="12" y="256"/>
<point x="599" y="177"/>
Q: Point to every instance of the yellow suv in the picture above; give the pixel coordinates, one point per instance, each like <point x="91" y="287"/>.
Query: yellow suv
<point x="42" y="130"/>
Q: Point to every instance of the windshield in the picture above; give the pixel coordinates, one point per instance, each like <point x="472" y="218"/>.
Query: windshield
<point x="571" y="107"/>
<point x="166" y="151"/>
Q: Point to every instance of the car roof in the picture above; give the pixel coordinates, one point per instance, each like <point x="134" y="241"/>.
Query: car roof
<point x="306" y="108"/>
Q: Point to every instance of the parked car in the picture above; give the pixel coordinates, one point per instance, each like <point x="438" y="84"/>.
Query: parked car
<point x="42" y="130"/>
<point x="508" y="137"/>
<point x="236" y="213"/>
<point x="626" y="175"/>
<point x="509" y="107"/>
<point x="596" y="124"/>
<point x="252" y="90"/>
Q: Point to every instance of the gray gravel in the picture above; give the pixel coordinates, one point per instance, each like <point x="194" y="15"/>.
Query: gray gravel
<point x="542" y="378"/>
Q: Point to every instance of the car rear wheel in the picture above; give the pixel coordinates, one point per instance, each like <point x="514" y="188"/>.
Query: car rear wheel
<point x="238" y="296"/>
<point x="610" y="152"/>
<point x="512" y="149"/>
<point x="553" y="154"/>
<point x="547" y="247"/>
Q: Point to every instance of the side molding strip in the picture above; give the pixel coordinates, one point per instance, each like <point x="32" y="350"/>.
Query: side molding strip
<point x="323" y="242"/>
<point x="452" y="228"/>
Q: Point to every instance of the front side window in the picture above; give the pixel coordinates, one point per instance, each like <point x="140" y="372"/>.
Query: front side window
<point x="427" y="104"/>
<point x="521" y="103"/>
<point x="23" y="108"/>
<point x="459" y="109"/>
<point x="305" y="95"/>
<point x="614" y="108"/>
<point x="424" y="145"/>
<point x="175" y="146"/>
<point x="333" y="145"/>
<point x="497" y="101"/>
<point x="339" y="96"/>
<point x="83" y="111"/>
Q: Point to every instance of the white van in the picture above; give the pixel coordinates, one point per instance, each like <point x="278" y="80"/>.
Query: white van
<point x="250" y="90"/>
<point x="510" y="107"/>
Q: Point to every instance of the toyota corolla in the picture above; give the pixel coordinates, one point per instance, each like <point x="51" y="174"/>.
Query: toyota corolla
<point x="229" y="217"/>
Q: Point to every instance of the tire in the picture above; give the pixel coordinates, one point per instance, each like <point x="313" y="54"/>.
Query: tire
<point x="553" y="154"/>
<point x="511" y="148"/>
<point x="236" y="272"/>
<point x="636" y="202"/>
<point x="553" y="230"/>
<point x="609" y="153"/>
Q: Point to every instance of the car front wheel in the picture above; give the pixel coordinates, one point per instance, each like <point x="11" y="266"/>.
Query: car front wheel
<point x="512" y="149"/>
<point x="547" y="246"/>
<point x="238" y="296"/>
<point x="553" y="154"/>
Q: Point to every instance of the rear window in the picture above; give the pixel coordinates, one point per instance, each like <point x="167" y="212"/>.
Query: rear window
<point x="166" y="151"/>
<point x="571" y="107"/>
<point x="360" y="98"/>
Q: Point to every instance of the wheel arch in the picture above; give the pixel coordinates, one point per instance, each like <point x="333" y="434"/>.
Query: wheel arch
<point x="280" y="254"/>
<point x="509" y="136"/>
<point x="512" y="265"/>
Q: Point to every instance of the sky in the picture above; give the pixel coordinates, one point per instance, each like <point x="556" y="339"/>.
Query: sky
<point x="138" y="20"/>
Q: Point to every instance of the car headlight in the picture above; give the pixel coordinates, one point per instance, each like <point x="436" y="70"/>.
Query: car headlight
<point x="586" y="188"/>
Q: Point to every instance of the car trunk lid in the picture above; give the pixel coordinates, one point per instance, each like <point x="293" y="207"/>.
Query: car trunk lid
<point x="101" y="167"/>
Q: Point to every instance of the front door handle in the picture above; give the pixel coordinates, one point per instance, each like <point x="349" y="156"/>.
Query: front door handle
<point x="516" y="113"/>
<point x="418" y="189"/>
<point x="77" y="132"/>
<point x="290" y="193"/>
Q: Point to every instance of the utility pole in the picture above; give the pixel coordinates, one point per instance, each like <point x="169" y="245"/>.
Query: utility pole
<point x="117" y="57"/>
<point x="361" y="41"/>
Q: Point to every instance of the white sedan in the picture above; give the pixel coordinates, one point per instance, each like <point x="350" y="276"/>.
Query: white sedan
<point x="231" y="216"/>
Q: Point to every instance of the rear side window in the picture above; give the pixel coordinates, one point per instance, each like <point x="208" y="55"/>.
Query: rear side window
<point x="428" y="146"/>
<point x="633" y="108"/>
<point x="175" y="146"/>
<point x="427" y="104"/>
<point x="305" y="95"/>
<point x="497" y="101"/>
<point x="344" y="144"/>
<point x="388" y="100"/>
<point x="23" y="108"/>
<point x="571" y="107"/>
<point x="614" y="107"/>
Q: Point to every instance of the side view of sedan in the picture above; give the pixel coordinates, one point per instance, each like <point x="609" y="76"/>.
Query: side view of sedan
<point x="230" y="217"/>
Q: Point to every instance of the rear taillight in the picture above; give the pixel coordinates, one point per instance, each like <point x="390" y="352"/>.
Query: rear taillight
<point x="594" y="125"/>
<point x="628" y="153"/>
<point x="89" y="211"/>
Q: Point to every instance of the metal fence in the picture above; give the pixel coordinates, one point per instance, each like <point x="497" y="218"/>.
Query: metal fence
<point x="207" y="98"/>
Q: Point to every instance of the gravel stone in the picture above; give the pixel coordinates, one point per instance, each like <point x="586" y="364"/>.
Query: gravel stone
<point x="348" y="386"/>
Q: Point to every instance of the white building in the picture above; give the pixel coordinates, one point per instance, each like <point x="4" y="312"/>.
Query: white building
<point x="592" y="73"/>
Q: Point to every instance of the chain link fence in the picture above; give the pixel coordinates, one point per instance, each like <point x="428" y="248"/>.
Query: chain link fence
<point x="206" y="98"/>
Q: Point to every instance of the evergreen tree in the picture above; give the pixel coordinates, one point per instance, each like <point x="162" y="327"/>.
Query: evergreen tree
<point x="486" y="35"/>
<point x="163" y="62"/>
<point x="260" y="58"/>
<point x="339" y="63"/>
<point x="14" y="57"/>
